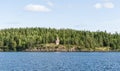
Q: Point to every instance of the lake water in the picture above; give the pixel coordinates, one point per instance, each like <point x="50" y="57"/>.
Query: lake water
<point x="59" y="61"/>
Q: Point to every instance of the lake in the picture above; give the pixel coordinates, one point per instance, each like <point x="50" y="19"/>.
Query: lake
<point x="59" y="61"/>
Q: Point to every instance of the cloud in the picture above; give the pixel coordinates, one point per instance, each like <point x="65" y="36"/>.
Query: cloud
<point x="108" y="5"/>
<point x="50" y="3"/>
<point x="98" y="5"/>
<point x="104" y="5"/>
<point x="36" y="8"/>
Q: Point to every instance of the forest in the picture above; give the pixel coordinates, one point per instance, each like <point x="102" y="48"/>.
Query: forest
<point x="43" y="39"/>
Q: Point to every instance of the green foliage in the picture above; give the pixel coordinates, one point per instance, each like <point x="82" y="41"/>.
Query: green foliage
<point x="20" y="39"/>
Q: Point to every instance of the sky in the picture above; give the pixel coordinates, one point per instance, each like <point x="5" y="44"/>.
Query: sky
<point x="92" y="15"/>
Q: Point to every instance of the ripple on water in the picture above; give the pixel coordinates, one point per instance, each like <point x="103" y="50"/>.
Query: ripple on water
<point x="76" y="61"/>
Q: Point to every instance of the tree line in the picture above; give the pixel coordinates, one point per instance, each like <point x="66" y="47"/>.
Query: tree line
<point x="20" y="39"/>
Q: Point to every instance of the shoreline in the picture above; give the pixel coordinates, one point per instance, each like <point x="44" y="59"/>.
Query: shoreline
<point x="61" y="51"/>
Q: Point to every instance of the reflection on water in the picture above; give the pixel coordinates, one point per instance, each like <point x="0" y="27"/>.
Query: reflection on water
<point x="60" y="61"/>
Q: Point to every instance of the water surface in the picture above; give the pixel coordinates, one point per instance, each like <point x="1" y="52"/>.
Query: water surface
<point x="59" y="61"/>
